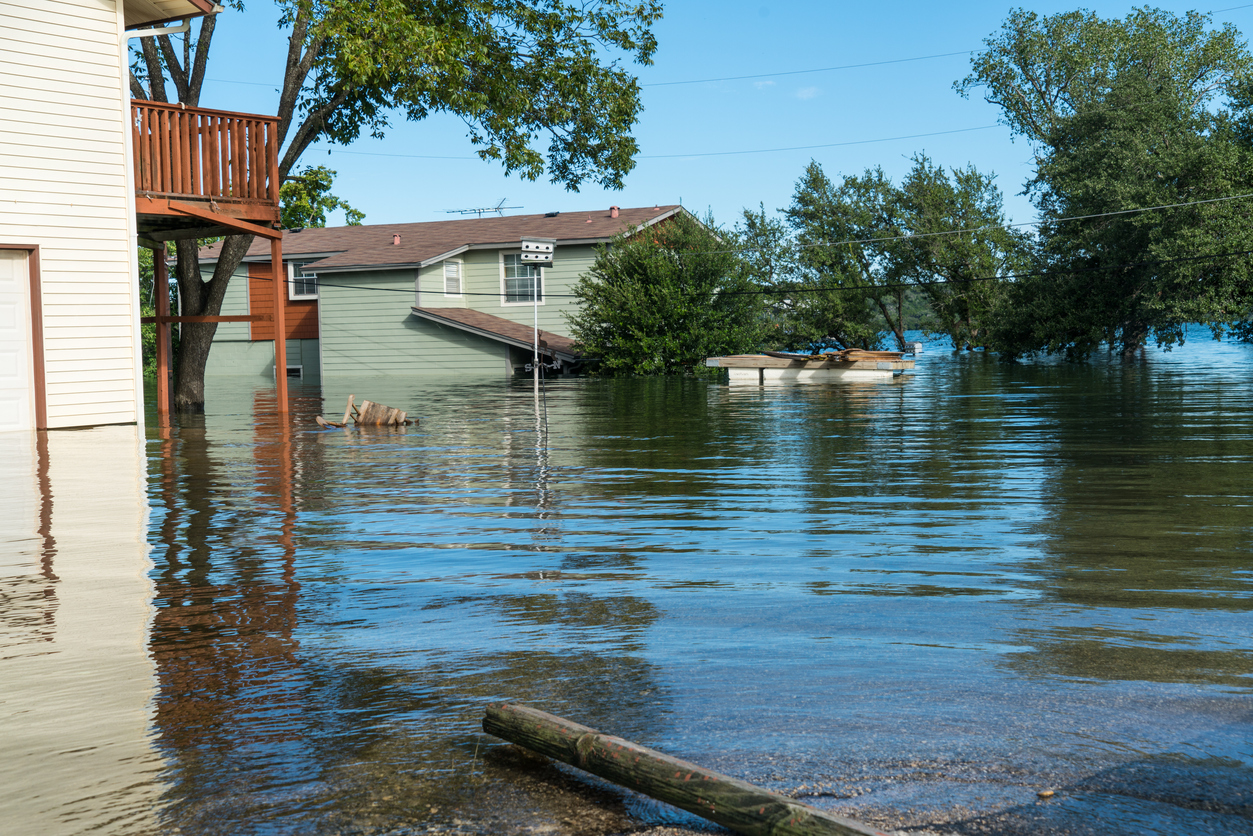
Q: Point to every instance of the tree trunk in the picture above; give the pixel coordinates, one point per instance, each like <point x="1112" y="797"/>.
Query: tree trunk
<point x="201" y="298"/>
<point x="1134" y="336"/>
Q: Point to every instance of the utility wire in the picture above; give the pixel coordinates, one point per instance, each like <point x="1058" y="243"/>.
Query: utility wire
<point x="913" y="235"/>
<point x="863" y="287"/>
<point x="701" y="153"/>
<point x="803" y="72"/>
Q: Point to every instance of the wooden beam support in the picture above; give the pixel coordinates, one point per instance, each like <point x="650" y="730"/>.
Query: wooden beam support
<point x="162" y="293"/>
<point x="720" y="798"/>
<point x="234" y="224"/>
<point x="280" y="321"/>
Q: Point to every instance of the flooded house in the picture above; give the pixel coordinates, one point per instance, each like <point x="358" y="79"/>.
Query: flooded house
<point x="86" y="175"/>
<point x="439" y="298"/>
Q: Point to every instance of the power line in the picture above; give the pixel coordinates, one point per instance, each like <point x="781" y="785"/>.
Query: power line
<point x="1024" y="223"/>
<point x="864" y="287"/>
<point x="811" y="147"/>
<point x="697" y="154"/>
<point x="803" y="72"/>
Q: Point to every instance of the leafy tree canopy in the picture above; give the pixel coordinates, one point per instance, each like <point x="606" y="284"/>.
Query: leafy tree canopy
<point x="855" y="257"/>
<point x="1124" y="114"/>
<point x="661" y="300"/>
<point x="306" y="199"/>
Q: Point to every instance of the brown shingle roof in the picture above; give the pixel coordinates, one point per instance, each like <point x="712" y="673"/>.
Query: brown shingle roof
<point x="506" y="331"/>
<point x="371" y="246"/>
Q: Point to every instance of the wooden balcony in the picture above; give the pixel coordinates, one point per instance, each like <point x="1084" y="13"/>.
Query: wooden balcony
<point x="202" y="172"/>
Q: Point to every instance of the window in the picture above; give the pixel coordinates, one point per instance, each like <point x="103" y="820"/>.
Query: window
<point x="302" y="283"/>
<point x="524" y="283"/>
<point x="452" y="278"/>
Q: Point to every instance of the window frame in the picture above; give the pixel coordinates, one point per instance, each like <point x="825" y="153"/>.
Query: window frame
<point x="292" y="295"/>
<point x="540" y="283"/>
<point x="461" y="278"/>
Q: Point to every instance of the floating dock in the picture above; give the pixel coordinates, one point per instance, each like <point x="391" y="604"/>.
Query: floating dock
<point x="851" y="366"/>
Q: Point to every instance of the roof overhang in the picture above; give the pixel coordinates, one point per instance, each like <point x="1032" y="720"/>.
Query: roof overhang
<point x="152" y="12"/>
<point x="432" y="316"/>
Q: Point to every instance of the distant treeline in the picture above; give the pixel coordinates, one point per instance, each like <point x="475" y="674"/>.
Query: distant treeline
<point x="1142" y="136"/>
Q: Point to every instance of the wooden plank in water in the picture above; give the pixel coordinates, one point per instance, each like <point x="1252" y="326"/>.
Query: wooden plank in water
<point x="720" y="798"/>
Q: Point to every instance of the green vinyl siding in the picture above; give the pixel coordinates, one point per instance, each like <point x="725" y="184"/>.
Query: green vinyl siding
<point x="367" y="327"/>
<point x="371" y="332"/>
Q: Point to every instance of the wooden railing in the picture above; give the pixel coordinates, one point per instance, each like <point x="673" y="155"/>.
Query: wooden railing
<point x="191" y="153"/>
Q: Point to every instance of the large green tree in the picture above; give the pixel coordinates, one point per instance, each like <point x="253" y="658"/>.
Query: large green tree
<point x="661" y="300"/>
<point x="538" y="83"/>
<point x="864" y="252"/>
<point x="961" y="250"/>
<point x="849" y="288"/>
<point x="1122" y="115"/>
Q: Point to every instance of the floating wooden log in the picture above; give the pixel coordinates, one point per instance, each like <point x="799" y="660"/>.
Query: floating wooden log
<point x="720" y="798"/>
<point x="322" y="422"/>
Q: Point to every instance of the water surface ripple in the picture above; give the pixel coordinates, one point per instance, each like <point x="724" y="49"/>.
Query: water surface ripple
<point x="919" y="603"/>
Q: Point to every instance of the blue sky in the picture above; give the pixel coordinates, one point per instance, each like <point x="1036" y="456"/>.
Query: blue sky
<point x="701" y="40"/>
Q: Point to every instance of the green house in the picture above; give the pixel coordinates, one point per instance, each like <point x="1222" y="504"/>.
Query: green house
<point x="441" y="298"/>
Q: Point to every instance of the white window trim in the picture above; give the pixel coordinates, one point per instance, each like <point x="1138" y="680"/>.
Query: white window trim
<point x="291" y="285"/>
<point x="461" y="278"/>
<point x="543" y="285"/>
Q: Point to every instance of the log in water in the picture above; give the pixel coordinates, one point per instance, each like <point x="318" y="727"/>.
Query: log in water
<point x="720" y="798"/>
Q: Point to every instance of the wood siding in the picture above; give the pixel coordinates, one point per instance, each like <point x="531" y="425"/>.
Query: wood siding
<point x="301" y="314"/>
<point x="65" y="184"/>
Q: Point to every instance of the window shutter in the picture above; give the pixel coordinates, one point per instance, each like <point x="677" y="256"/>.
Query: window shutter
<point x="452" y="278"/>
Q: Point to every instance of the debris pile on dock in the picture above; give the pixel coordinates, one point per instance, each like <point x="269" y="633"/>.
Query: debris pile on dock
<point x="369" y="414"/>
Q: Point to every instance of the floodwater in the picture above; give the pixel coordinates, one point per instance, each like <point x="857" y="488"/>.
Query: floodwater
<point x="918" y="603"/>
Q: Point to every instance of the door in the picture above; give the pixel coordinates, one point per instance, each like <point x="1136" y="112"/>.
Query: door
<point x="17" y="361"/>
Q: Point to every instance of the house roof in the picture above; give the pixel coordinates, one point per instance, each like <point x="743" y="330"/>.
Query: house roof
<point x="499" y="329"/>
<point x="357" y="247"/>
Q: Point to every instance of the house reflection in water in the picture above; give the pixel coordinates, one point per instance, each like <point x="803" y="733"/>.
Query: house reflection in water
<point x="76" y="682"/>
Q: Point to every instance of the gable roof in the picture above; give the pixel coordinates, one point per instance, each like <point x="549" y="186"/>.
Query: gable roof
<point x="370" y="247"/>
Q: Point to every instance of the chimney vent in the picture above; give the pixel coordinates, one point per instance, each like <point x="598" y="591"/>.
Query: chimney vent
<point x="396" y="240"/>
<point x="613" y="211"/>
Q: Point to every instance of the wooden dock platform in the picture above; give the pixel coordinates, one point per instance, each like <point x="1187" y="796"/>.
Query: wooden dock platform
<point x="780" y="367"/>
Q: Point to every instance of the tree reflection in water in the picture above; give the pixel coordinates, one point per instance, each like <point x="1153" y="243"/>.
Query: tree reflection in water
<point x="293" y="691"/>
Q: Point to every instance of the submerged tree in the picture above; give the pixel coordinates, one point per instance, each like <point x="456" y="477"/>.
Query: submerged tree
<point x="849" y="286"/>
<point x="661" y="300"/>
<point x="961" y="249"/>
<point x="865" y="250"/>
<point x="1122" y="115"/>
<point x="516" y="71"/>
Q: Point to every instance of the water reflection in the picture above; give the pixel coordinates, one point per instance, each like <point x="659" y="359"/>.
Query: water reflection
<point x="75" y="680"/>
<point x="327" y="637"/>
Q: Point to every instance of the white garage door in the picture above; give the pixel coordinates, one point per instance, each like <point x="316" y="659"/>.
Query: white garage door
<point x="17" y="373"/>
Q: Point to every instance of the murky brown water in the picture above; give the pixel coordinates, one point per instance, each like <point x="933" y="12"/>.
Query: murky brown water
<point x="918" y="603"/>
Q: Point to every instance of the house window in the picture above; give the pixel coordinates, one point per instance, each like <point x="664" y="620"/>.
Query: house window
<point x="452" y="278"/>
<point x="524" y="283"/>
<point x="302" y="283"/>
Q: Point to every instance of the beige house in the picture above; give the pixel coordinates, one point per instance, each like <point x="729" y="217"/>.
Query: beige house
<point x="84" y="177"/>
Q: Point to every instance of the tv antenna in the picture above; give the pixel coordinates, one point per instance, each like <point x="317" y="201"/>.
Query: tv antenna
<point x="499" y="209"/>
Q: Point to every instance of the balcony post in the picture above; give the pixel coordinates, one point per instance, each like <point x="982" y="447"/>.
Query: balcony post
<point x="280" y="323"/>
<point x="162" y="293"/>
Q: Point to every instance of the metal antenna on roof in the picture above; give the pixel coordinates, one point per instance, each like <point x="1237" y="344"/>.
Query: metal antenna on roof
<point x="499" y="209"/>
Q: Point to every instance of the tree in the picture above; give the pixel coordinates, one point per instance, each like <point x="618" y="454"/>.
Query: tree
<point x="663" y="299"/>
<point x="513" y="70"/>
<point x="306" y="199"/>
<point x="962" y="249"/>
<point x="1123" y="114"/>
<point x="849" y="288"/>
